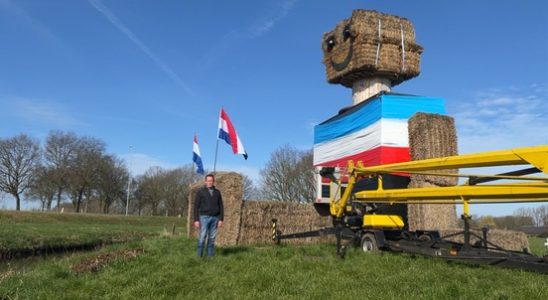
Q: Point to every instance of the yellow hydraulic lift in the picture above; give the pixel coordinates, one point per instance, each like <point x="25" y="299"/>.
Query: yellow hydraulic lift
<point x="526" y="189"/>
<point x="376" y="231"/>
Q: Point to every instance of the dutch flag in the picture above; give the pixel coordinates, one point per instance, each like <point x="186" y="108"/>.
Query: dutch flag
<point x="196" y="157"/>
<point x="228" y="133"/>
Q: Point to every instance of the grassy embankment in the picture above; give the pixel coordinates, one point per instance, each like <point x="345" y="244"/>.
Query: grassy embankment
<point x="25" y="233"/>
<point x="166" y="268"/>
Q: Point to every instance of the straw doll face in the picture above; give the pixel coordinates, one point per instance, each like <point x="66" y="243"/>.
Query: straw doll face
<point x="337" y="46"/>
<point x="371" y="44"/>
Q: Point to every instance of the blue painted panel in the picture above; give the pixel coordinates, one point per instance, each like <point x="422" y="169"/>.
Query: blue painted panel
<point x="390" y="106"/>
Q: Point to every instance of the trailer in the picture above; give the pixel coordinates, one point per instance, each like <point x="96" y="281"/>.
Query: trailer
<point x="356" y="222"/>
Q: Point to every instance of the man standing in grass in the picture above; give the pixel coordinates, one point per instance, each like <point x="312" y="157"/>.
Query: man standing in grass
<point x="208" y="214"/>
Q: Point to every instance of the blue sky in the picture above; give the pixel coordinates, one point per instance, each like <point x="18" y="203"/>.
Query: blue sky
<point x="151" y="73"/>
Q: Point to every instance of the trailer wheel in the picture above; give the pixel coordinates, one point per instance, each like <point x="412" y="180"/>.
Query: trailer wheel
<point x="425" y="238"/>
<point x="369" y="243"/>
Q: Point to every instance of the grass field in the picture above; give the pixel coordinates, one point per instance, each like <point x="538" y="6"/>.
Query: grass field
<point x="537" y="246"/>
<point x="24" y="232"/>
<point x="166" y="267"/>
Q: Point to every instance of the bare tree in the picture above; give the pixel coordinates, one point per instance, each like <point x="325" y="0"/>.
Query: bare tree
<point x="19" y="157"/>
<point x="42" y="188"/>
<point x="112" y="179"/>
<point x="531" y="213"/>
<point x="139" y="194"/>
<point x="542" y="212"/>
<point x="288" y="176"/>
<point x="164" y="190"/>
<point x="186" y="176"/>
<point x="306" y="180"/>
<point x="250" y="191"/>
<point x="513" y="222"/>
<point x="84" y="169"/>
<point x="59" y="153"/>
<point x="149" y="189"/>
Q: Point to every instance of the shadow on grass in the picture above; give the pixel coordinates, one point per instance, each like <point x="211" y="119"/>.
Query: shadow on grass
<point x="233" y="250"/>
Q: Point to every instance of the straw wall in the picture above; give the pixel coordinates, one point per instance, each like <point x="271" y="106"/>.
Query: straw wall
<point x="256" y="225"/>
<point x="376" y="44"/>
<point x="250" y="222"/>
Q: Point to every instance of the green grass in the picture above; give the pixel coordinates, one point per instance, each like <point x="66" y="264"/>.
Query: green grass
<point x="536" y="244"/>
<point x="169" y="269"/>
<point x="35" y="230"/>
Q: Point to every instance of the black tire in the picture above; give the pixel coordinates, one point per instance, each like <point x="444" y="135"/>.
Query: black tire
<point x="369" y="243"/>
<point x="425" y="238"/>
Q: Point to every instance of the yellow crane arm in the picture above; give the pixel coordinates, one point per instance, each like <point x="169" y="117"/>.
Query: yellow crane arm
<point x="495" y="193"/>
<point x="533" y="190"/>
<point x="536" y="156"/>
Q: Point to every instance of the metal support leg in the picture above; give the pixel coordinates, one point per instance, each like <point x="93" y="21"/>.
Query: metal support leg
<point x="484" y="230"/>
<point x="466" y="232"/>
<point x="466" y="217"/>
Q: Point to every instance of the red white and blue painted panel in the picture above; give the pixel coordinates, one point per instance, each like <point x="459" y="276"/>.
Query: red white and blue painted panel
<point x="374" y="131"/>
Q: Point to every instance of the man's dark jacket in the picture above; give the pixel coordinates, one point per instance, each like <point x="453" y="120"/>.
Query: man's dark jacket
<point x="208" y="205"/>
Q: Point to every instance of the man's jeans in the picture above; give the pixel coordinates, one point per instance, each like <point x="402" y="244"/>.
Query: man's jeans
<point x="208" y="226"/>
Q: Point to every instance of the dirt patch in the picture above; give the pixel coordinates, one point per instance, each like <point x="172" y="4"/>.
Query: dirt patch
<point x="7" y="273"/>
<point x="11" y="254"/>
<point x="94" y="264"/>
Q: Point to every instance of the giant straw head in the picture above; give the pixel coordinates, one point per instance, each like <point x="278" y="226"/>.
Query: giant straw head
<point x="371" y="44"/>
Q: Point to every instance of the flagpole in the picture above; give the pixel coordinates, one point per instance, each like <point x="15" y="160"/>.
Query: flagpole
<point x="217" y="145"/>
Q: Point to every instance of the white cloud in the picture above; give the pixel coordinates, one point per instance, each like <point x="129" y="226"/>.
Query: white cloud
<point x="272" y="20"/>
<point x="42" y="111"/>
<point x="102" y="9"/>
<point x="30" y="22"/>
<point x="498" y="119"/>
<point x="139" y="163"/>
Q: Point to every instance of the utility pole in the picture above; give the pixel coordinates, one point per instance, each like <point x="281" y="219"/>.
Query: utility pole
<point x="128" y="180"/>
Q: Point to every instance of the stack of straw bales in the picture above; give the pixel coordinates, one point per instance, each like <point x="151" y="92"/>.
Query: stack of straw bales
<point x="371" y="44"/>
<point x="507" y="239"/>
<point x="250" y="222"/>
<point x="432" y="136"/>
<point x="231" y="187"/>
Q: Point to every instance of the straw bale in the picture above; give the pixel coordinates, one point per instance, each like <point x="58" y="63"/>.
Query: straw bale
<point x="256" y="225"/>
<point x="388" y="50"/>
<point x="231" y="186"/>
<point x="431" y="136"/>
<point x="506" y="239"/>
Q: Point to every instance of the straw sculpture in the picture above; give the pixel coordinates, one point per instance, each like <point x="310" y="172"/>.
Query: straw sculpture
<point x="371" y="44"/>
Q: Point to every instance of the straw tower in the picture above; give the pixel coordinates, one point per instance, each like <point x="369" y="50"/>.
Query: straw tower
<point x="432" y="136"/>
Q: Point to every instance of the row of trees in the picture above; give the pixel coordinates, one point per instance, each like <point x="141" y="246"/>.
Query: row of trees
<point x="522" y="217"/>
<point x="68" y="166"/>
<point x="75" y="170"/>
